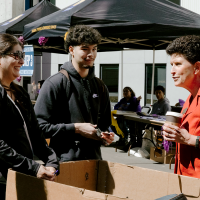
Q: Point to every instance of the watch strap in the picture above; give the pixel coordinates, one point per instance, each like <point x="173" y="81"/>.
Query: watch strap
<point x="197" y="142"/>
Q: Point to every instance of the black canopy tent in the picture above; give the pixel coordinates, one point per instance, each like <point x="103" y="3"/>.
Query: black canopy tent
<point x="15" y="25"/>
<point x="143" y="24"/>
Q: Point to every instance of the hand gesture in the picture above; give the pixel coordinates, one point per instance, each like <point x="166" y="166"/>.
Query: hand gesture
<point x="86" y="130"/>
<point x="108" y="137"/>
<point x="139" y="98"/>
<point x="46" y="174"/>
<point x="175" y="134"/>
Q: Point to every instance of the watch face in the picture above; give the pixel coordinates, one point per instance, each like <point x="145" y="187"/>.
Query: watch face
<point x="98" y="132"/>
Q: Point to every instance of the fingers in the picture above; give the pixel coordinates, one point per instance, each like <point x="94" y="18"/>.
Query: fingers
<point x="93" y="125"/>
<point x="43" y="173"/>
<point x="109" y="138"/>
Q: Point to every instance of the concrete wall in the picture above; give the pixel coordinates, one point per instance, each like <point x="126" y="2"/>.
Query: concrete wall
<point x="57" y="59"/>
<point x="193" y="5"/>
<point x="64" y="3"/>
<point x="133" y="74"/>
<point x="10" y="9"/>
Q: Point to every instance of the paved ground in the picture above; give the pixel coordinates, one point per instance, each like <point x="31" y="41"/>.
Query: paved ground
<point x="108" y="153"/>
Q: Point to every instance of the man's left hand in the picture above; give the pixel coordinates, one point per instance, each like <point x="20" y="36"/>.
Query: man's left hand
<point x="108" y="137"/>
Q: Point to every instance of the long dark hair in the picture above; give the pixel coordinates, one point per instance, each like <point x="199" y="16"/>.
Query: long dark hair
<point x="132" y="92"/>
<point x="7" y="42"/>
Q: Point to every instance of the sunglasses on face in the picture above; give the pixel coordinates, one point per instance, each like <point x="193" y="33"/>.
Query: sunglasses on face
<point x="17" y="56"/>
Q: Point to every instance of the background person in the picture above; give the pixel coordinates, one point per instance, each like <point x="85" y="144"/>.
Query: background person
<point x="20" y="136"/>
<point x="39" y="86"/>
<point x="70" y="110"/>
<point x="162" y="105"/>
<point x="185" y="61"/>
<point x="128" y="103"/>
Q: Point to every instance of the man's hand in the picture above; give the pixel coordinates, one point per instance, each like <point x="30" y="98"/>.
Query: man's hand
<point x="51" y="169"/>
<point x="108" y="137"/>
<point x="46" y="173"/>
<point x="86" y="130"/>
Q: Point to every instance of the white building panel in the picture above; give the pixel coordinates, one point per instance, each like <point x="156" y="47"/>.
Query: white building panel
<point x="136" y="56"/>
<point x="64" y="3"/>
<point x="133" y="77"/>
<point x="193" y="5"/>
<point x="109" y="57"/>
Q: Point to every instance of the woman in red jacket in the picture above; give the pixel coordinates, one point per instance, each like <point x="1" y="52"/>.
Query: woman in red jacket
<point x="185" y="61"/>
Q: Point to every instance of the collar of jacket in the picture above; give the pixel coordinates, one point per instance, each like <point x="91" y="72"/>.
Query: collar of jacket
<point x="72" y="71"/>
<point x="190" y="106"/>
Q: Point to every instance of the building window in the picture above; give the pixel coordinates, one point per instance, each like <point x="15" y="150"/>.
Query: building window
<point x="28" y="4"/>
<point x="176" y="1"/>
<point x="109" y="73"/>
<point x="159" y="79"/>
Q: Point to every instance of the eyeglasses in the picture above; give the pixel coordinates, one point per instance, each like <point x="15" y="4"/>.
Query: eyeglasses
<point x="17" y="56"/>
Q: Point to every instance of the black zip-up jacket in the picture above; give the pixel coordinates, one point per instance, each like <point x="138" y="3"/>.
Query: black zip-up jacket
<point x="15" y="150"/>
<point x="56" y="113"/>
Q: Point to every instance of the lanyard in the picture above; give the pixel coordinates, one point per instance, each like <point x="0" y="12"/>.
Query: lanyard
<point x="25" y="127"/>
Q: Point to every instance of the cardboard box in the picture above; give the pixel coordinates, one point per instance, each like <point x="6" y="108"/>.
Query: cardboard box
<point x="166" y="157"/>
<point x="101" y="180"/>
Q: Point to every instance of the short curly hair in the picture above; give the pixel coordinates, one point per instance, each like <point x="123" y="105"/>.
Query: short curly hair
<point x="188" y="46"/>
<point x="81" y="34"/>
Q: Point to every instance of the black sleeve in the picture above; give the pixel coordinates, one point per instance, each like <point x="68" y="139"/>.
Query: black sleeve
<point x="105" y="118"/>
<point x="9" y="158"/>
<point x="46" y="110"/>
<point x="40" y="147"/>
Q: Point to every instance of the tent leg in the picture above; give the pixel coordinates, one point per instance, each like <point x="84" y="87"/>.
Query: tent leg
<point x="41" y="67"/>
<point x="120" y="81"/>
<point x="153" y="74"/>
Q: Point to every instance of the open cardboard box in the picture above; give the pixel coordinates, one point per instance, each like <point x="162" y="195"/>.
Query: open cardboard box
<point x="101" y="180"/>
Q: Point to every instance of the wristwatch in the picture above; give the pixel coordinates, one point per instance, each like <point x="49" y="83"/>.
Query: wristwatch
<point x="197" y="142"/>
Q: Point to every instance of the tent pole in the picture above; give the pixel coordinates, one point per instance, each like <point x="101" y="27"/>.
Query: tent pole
<point x="153" y="74"/>
<point x="41" y="67"/>
<point x="121" y="77"/>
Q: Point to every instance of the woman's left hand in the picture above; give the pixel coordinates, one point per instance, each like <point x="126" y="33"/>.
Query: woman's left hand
<point x="175" y="134"/>
<point x="108" y="137"/>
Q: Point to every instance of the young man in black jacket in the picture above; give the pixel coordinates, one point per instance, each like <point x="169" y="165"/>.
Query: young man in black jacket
<point x="69" y="111"/>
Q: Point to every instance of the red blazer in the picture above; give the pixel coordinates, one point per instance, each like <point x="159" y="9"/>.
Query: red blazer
<point x="188" y="157"/>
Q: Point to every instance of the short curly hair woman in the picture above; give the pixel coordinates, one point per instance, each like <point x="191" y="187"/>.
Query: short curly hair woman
<point x="81" y="34"/>
<point x="185" y="71"/>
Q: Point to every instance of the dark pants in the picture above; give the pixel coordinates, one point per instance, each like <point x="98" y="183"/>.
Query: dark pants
<point x="2" y="191"/>
<point x="123" y="125"/>
<point x="136" y="133"/>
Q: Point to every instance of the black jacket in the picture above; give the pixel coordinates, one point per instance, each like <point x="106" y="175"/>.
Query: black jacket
<point x="15" y="151"/>
<point x="56" y="113"/>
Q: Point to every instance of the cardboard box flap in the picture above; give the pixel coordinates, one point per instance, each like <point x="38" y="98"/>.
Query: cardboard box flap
<point x="82" y="174"/>
<point x="21" y="186"/>
<point x="130" y="181"/>
<point x="189" y="186"/>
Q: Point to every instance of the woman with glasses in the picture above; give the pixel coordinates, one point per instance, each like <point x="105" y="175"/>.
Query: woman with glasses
<point x="20" y="137"/>
<point x="185" y="71"/>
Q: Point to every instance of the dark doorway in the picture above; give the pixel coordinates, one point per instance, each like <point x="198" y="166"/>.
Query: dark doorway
<point x="26" y="81"/>
<point x="159" y="79"/>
